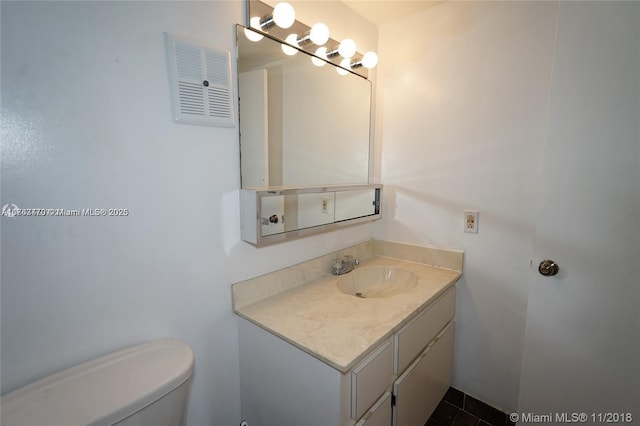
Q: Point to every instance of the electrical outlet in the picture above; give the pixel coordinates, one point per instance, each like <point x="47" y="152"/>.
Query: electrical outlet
<point x="325" y="206"/>
<point x="471" y="221"/>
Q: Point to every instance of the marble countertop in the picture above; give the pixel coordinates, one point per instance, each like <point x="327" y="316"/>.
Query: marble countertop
<point x="337" y="328"/>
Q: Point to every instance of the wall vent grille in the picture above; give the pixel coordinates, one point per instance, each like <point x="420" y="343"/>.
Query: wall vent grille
<point x="200" y="79"/>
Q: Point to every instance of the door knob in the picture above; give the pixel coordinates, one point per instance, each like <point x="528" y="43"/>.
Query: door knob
<point x="548" y="267"/>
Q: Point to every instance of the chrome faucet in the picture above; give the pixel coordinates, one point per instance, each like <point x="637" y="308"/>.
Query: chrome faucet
<point x="344" y="265"/>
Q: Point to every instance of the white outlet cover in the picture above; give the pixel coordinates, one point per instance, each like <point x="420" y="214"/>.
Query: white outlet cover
<point x="471" y="221"/>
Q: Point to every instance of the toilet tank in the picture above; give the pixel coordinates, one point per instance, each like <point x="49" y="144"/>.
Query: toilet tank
<point x="141" y="385"/>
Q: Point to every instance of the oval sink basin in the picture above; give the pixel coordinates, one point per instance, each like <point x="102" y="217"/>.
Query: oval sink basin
<point x="376" y="281"/>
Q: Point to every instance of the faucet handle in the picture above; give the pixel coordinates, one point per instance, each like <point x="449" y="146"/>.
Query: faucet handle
<point x="337" y="266"/>
<point x="350" y="259"/>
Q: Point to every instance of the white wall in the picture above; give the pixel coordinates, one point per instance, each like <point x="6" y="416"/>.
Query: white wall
<point x="462" y="110"/>
<point x="86" y="124"/>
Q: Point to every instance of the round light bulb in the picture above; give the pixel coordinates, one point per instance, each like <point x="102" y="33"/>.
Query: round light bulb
<point x="284" y="15"/>
<point x="347" y="48"/>
<point x="255" y="22"/>
<point x="370" y="60"/>
<point x="321" y="52"/>
<point x="291" y="39"/>
<point x="252" y="35"/>
<point x="345" y="63"/>
<point x="319" y="34"/>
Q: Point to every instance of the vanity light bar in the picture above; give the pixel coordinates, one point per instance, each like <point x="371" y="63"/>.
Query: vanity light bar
<point x="315" y="40"/>
<point x="369" y="60"/>
<point x="319" y="35"/>
<point x="283" y="15"/>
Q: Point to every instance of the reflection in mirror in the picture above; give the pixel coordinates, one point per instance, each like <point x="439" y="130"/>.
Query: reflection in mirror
<point x="300" y="124"/>
<point x="290" y="212"/>
<point x="274" y="215"/>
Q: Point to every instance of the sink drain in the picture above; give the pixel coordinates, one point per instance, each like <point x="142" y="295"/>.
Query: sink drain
<point x="359" y="295"/>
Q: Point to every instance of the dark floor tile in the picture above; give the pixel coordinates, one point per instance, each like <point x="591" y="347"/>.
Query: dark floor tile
<point x="483" y="411"/>
<point x="445" y="413"/>
<point x="433" y="422"/>
<point x="455" y="397"/>
<point x="465" y="419"/>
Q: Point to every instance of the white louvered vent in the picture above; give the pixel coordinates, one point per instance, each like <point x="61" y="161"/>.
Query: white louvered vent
<point x="200" y="79"/>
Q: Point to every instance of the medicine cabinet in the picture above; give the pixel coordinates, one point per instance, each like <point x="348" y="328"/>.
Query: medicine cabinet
<point x="304" y="142"/>
<point x="271" y="216"/>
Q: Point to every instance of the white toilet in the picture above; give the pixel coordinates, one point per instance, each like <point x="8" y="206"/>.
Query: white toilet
<point x="145" y="385"/>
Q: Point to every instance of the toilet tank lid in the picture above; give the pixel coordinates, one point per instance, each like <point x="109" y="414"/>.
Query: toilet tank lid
<point x="102" y="391"/>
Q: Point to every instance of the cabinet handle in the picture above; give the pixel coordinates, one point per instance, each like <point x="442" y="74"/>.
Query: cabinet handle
<point x="548" y="268"/>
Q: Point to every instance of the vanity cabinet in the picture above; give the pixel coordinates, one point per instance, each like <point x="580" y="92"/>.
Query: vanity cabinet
<point x="423" y="384"/>
<point x="397" y="382"/>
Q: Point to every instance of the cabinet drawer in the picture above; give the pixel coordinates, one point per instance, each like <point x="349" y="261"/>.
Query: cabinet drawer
<point x="370" y="379"/>
<point x="379" y="414"/>
<point x="421" y="387"/>
<point x="416" y="335"/>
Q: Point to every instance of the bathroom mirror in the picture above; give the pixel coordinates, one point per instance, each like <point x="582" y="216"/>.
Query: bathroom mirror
<point x="300" y="124"/>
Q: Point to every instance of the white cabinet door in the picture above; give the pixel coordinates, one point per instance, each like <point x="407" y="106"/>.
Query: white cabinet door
<point x="370" y="379"/>
<point x="413" y="337"/>
<point x="421" y="387"/>
<point x="380" y="413"/>
<point x="351" y="204"/>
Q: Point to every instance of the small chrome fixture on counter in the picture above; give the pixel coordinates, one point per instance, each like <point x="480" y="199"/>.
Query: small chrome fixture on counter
<point x="344" y="265"/>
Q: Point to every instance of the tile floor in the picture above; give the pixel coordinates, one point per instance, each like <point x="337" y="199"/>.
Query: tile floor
<point x="460" y="409"/>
